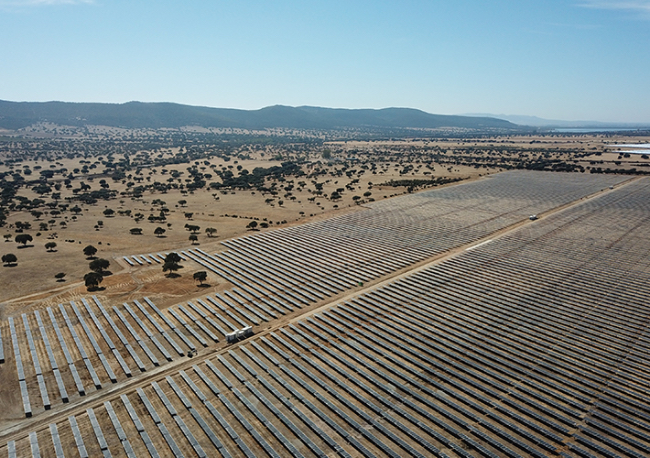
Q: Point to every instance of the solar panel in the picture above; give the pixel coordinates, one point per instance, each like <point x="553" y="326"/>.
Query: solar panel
<point x="56" y="440"/>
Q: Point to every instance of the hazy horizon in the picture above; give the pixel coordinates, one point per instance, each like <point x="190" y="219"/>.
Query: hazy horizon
<point x="554" y="60"/>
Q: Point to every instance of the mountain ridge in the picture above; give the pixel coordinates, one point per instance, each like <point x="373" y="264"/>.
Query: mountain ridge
<point x="17" y="115"/>
<point x="536" y="121"/>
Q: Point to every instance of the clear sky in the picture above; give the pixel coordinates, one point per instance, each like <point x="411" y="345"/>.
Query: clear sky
<point x="557" y="59"/>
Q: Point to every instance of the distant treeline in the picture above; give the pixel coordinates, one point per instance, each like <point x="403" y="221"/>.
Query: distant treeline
<point x="632" y="171"/>
<point x="256" y="178"/>
<point x="418" y="183"/>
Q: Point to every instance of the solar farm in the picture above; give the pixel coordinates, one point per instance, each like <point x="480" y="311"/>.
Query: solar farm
<point x="443" y="323"/>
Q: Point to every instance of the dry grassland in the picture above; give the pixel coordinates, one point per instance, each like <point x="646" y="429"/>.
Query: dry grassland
<point x="32" y="283"/>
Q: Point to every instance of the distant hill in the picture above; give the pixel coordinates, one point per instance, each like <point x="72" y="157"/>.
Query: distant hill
<point x="16" y="115"/>
<point x="534" y="121"/>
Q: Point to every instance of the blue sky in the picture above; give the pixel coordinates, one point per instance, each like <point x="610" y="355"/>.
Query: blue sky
<point x="573" y="60"/>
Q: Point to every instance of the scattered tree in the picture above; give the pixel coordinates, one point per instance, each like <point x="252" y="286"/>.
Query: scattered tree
<point x="9" y="259"/>
<point x="23" y="238"/>
<point x="50" y="246"/>
<point x="200" y="276"/>
<point x="60" y="276"/>
<point x="92" y="280"/>
<point x="7" y="237"/>
<point x="99" y="265"/>
<point x="22" y="226"/>
<point x="136" y="231"/>
<point x="194" y="239"/>
<point x="252" y="225"/>
<point x="159" y="231"/>
<point x="171" y="264"/>
<point x="210" y="231"/>
<point x="90" y="251"/>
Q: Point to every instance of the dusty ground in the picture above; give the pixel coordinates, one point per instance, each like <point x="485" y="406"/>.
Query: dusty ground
<point x="37" y="267"/>
<point x="356" y="167"/>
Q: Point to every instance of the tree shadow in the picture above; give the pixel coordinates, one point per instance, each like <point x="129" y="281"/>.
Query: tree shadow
<point x="10" y="265"/>
<point x="173" y="275"/>
<point x="96" y="288"/>
<point x="60" y="280"/>
<point x="204" y="285"/>
<point x="20" y="247"/>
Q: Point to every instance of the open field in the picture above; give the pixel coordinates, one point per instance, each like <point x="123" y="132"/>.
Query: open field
<point x="92" y="187"/>
<point x="440" y="323"/>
